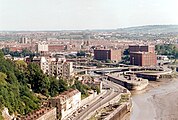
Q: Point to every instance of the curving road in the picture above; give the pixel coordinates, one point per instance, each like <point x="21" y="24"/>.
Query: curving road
<point x="109" y="95"/>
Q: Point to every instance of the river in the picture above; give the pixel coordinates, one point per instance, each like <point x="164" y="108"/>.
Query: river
<point x="158" y="102"/>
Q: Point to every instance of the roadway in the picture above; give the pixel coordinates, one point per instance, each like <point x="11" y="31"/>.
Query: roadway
<point x="93" y="106"/>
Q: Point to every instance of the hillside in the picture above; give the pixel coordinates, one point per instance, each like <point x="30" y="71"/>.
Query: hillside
<point x="154" y="29"/>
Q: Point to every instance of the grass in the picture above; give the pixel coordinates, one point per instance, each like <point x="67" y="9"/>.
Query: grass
<point x="83" y="96"/>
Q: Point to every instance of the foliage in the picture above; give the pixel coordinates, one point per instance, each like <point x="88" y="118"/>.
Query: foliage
<point x="96" y="88"/>
<point x="108" y="61"/>
<point x="20" y="64"/>
<point x="81" y="87"/>
<point x="19" y="81"/>
<point x="24" y="52"/>
<point x="125" y="59"/>
<point x="81" y="53"/>
<point x="1" y="118"/>
<point x="126" y="51"/>
<point x="167" y="49"/>
<point x="13" y="91"/>
<point x="57" y="86"/>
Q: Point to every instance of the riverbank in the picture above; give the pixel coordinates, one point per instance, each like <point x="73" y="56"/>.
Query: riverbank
<point x="159" y="101"/>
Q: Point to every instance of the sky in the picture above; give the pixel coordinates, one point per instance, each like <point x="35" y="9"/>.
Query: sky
<point x="85" y="14"/>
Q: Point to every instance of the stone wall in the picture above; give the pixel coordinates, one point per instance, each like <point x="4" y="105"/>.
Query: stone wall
<point x="120" y="112"/>
<point x="51" y="115"/>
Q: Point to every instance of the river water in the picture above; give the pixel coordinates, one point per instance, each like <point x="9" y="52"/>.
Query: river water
<point x="157" y="103"/>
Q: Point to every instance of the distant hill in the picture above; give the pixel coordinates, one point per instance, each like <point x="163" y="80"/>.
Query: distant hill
<point x="151" y="29"/>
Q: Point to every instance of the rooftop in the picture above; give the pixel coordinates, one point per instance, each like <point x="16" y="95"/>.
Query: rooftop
<point x="67" y="94"/>
<point x="36" y="114"/>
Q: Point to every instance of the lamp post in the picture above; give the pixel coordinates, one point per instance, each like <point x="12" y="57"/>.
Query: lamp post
<point x="133" y="61"/>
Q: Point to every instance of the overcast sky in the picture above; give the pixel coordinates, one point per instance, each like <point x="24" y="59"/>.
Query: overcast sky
<point x="85" y="14"/>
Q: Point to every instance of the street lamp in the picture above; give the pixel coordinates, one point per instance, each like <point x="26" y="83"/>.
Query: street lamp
<point x="133" y="61"/>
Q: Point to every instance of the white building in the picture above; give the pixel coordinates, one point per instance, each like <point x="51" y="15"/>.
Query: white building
<point x="66" y="103"/>
<point x="58" y="67"/>
<point x="42" y="47"/>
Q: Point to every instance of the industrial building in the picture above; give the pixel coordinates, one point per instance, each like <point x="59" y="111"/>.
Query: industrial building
<point x="142" y="55"/>
<point x="143" y="58"/>
<point x="107" y="54"/>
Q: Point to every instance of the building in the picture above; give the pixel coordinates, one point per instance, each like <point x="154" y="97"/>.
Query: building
<point x="24" y="40"/>
<point x="143" y="58"/>
<point x="42" y="47"/>
<point x="107" y="54"/>
<point x="42" y="114"/>
<point x="142" y="55"/>
<point x="67" y="69"/>
<point x="56" y="48"/>
<point x="55" y="66"/>
<point x="66" y="103"/>
<point x="142" y="48"/>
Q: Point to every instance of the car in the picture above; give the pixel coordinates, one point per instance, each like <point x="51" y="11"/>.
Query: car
<point x="101" y="97"/>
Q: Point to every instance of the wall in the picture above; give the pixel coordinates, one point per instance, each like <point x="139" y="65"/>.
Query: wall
<point x="119" y="113"/>
<point x="51" y="115"/>
<point x="88" y="99"/>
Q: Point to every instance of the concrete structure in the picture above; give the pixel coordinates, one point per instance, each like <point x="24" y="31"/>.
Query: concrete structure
<point x="42" y="114"/>
<point x="107" y="54"/>
<point x="66" y="103"/>
<point x="130" y="82"/>
<point x="143" y="58"/>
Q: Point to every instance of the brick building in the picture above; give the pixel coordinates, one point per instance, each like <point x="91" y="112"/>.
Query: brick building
<point x="107" y="54"/>
<point x="56" y="48"/>
<point x="142" y="48"/>
<point x="143" y="58"/>
<point x="142" y="55"/>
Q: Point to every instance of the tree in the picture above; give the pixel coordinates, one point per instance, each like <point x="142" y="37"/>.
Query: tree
<point x="57" y="86"/>
<point x="21" y="65"/>
<point x="1" y="54"/>
<point x="81" y="53"/>
<point x="6" y="51"/>
<point x="126" y="51"/>
<point x="3" y="78"/>
<point x="167" y="49"/>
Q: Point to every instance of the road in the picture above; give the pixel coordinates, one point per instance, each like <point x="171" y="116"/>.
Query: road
<point x="109" y="95"/>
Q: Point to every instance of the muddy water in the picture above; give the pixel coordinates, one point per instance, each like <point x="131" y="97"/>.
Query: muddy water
<point x="158" y="102"/>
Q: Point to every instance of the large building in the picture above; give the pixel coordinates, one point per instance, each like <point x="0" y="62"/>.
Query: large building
<point x="66" y="103"/>
<point x="24" y="40"/>
<point x="107" y="54"/>
<point x="42" y="47"/>
<point x="58" y="67"/>
<point x="142" y="48"/>
<point x="142" y="55"/>
<point x="143" y="58"/>
<point x="56" y="48"/>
